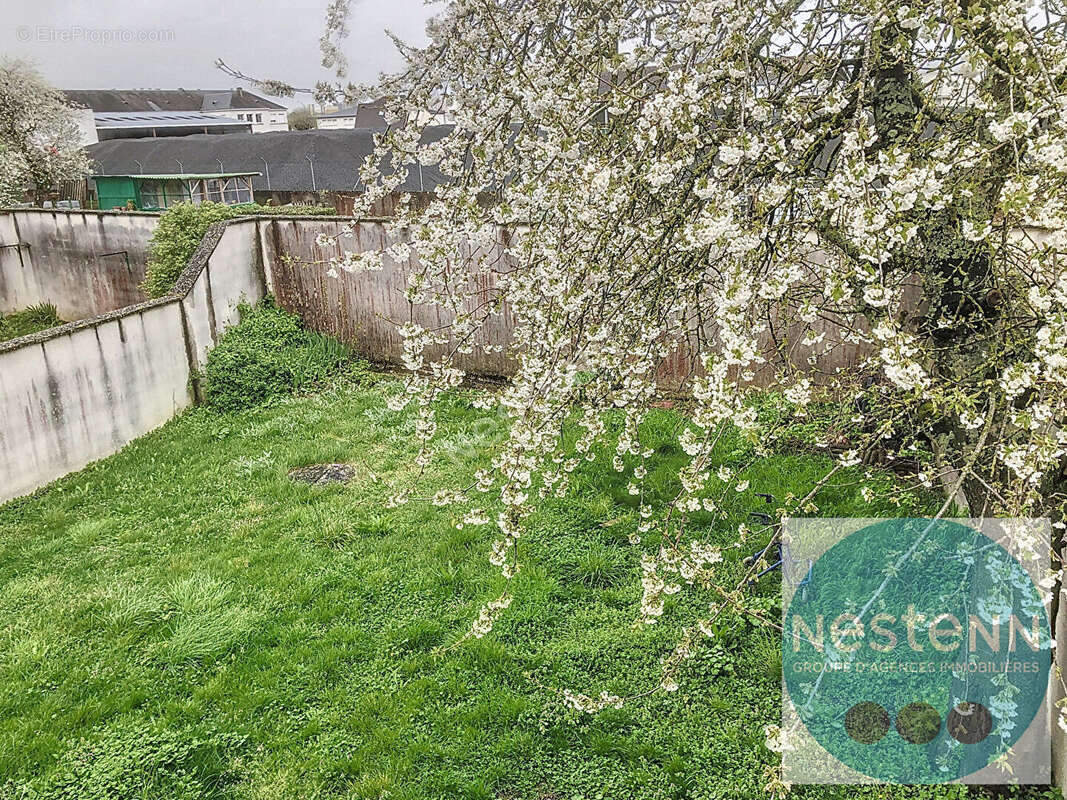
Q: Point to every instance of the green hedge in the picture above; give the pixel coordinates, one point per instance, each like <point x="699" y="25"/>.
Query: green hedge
<point x="269" y="354"/>
<point x="181" y="228"/>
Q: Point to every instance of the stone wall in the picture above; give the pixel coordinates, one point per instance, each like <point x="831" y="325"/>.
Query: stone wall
<point x="84" y="262"/>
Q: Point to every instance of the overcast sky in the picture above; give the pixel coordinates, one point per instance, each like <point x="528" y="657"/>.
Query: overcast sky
<point x="166" y="44"/>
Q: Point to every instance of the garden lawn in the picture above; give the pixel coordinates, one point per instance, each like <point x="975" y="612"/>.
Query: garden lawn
<point x="181" y="620"/>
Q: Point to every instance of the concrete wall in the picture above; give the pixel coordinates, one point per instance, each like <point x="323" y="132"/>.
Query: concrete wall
<point x="362" y="308"/>
<point x="69" y="399"/>
<point x="84" y="262"/>
<point x="79" y="392"/>
<point x="357" y="308"/>
<point x="232" y="272"/>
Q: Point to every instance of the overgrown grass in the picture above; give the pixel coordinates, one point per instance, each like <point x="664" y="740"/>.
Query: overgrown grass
<point x="181" y="620"/>
<point x="36" y="318"/>
<point x="269" y="354"/>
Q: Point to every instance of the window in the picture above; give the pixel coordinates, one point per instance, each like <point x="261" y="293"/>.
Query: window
<point x="259" y="117"/>
<point x="172" y="193"/>
<point x="182" y="192"/>
<point x="150" y="194"/>
<point x="213" y="190"/>
<point x="230" y="192"/>
<point x="241" y="117"/>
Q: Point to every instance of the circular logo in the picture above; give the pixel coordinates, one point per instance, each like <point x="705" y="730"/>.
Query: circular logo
<point x="915" y="651"/>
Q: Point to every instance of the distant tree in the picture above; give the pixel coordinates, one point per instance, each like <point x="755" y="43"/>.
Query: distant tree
<point x="302" y="119"/>
<point x="39" y="141"/>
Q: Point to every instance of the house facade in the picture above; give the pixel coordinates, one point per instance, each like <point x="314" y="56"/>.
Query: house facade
<point x="343" y="118"/>
<point x="264" y="115"/>
<point x="368" y="115"/>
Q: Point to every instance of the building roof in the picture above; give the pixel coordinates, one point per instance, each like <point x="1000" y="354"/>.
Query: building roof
<point x="180" y="176"/>
<point x="116" y="100"/>
<point x="162" y="119"/>
<point x="284" y="158"/>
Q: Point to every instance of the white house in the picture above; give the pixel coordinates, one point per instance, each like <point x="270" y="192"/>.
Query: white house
<point x="366" y="115"/>
<point x="265" y="115"/>
<point x="230" y="104"/>
<point x="369" y="115"/>
<point x="335" y="120"/>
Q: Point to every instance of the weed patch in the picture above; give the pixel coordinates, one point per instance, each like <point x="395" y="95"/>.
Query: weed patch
<point x="34" y="319"/>
<point x="269" y="354"/>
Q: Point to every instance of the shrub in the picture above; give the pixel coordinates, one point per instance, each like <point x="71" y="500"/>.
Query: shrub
<point x="36" y="318"/>
<point x="268" y="354"/>
<point x="182" y="227"/>
<point x="172" y="244"/>
<point x="302" y="119"/>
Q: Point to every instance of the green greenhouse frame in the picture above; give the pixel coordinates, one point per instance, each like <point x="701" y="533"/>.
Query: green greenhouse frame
<point x="159" y="192"/>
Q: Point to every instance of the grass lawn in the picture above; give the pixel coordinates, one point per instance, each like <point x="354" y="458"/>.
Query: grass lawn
<point x="181" y="620"/>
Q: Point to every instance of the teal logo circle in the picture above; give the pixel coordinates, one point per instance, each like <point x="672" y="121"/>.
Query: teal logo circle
<point x="915" y="651"/>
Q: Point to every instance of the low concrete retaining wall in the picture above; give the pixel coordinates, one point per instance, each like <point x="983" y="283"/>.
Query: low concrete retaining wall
<point x="79" y="392"/>
<point x="84" y="262"/>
